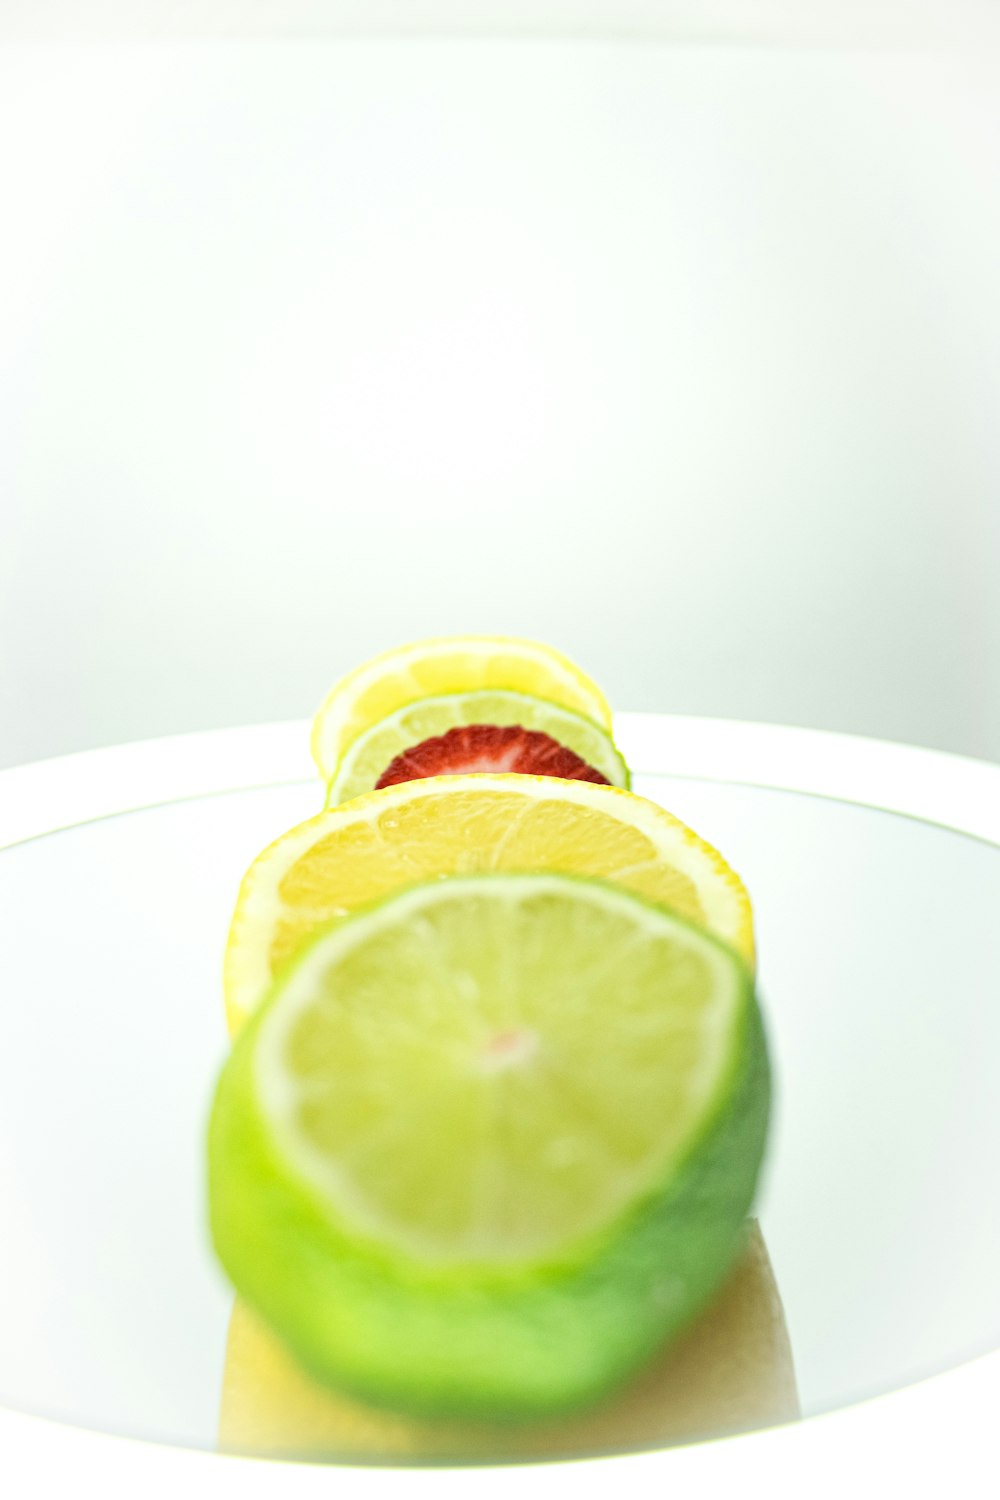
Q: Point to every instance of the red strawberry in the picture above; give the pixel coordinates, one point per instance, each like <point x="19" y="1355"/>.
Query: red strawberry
<point x="481" y="748"/>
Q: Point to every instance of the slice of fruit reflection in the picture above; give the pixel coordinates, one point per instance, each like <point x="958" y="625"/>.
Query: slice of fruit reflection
<point x="731" y="1372"/>
<point x="490" y="1141"/>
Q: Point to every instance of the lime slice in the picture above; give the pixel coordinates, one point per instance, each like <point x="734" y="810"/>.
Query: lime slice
<point x="368" y="847"/>
<point x="446" y="664"/>
<point x="490" y="1141"/>
<point x="369" y="755"/>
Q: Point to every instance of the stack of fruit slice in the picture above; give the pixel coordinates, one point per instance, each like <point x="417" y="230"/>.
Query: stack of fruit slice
<point x="495" y="1113"/>
<point x="478" y="703"/>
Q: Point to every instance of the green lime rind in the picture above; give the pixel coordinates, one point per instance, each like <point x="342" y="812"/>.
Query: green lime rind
<point x="486" y="1342"/>
<point x="372" y="753"/>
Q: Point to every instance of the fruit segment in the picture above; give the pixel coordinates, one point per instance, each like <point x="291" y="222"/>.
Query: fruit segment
<point x="482" y="748"/>
<point x="365" y="762"/>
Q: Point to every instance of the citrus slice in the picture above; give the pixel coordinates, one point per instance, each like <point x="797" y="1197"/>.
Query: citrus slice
<point x="489" y="1142"/>
<point x="450" y="664"/>
<point x="367" y="758"/>
<point x="447" y="825"/>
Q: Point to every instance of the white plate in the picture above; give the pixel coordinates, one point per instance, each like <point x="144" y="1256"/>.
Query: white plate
<point x="875" y="875"/>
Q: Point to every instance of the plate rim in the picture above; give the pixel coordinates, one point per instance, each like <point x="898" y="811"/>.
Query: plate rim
<point x="927" y="1435"/>
<point x="953" y="791"/>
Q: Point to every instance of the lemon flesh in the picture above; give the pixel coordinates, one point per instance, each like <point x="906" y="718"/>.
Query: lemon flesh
<point x="490" y="1141"/>
<point x="358" y="852"/>
<point x="448" y="664"/>
<point x="369" y="756"/>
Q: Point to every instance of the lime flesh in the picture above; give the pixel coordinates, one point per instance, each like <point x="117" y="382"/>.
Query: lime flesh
<point x="368" y="757"/>
<point x="489" y="1142"/>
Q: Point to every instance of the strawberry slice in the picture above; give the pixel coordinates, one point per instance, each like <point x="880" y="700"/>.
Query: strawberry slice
<point x="481" y="748"/>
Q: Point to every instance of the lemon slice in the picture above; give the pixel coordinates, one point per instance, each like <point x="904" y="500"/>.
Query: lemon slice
<point x="490" y="1141"/>
<point x="450" y="664"/>
<point x="352" y="854"/>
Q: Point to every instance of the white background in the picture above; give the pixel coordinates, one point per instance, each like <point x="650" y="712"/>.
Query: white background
<point x="684" y="358"/>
